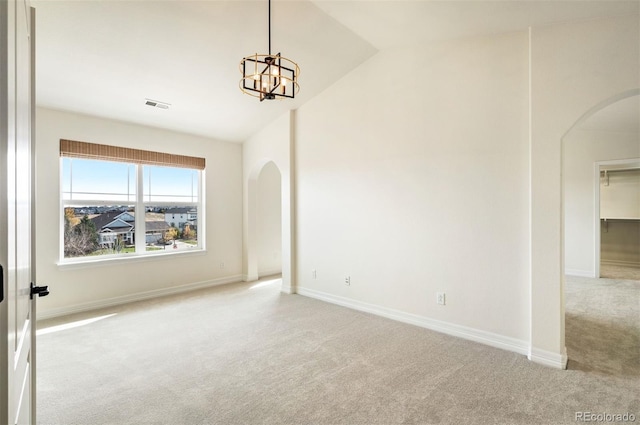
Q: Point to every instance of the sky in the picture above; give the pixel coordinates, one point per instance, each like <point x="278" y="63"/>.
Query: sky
<point x="116" y="181"/>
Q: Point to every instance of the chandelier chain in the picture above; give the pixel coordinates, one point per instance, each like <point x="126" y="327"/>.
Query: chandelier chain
<point x="269" y="27"/>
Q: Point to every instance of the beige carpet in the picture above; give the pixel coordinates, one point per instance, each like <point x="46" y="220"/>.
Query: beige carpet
<point x="246" y="354"/>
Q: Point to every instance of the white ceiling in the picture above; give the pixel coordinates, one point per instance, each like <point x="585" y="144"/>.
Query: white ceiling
<point x="392" y="23"/>
<point x="104" y="57"/>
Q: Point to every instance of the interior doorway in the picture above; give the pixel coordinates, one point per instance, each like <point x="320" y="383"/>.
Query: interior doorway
<point x="600" y="155"/>
<point x="604" y="142"/>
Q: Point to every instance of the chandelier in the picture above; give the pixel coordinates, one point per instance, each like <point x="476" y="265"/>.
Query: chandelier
<point x="269" y="76"/>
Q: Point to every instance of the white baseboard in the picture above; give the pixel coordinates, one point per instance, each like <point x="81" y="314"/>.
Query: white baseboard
<point x="579" y="273"/>
<point x="548" y="358"/>
<point x="476" y="335"/>
<point x="247" y="278"/>
<point x="287" y="290"/>
<point x="109" y="302"/>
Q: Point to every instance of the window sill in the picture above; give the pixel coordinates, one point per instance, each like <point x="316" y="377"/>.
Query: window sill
<point x="128" y="259"/>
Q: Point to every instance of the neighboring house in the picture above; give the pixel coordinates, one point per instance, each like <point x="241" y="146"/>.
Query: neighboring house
<point x="114" y="224"/>
<point x="155" y="231"/>
<point x="178" y="217"/>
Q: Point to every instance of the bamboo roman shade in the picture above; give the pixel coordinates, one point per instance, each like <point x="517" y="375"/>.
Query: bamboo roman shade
<point x="74" y="149"/>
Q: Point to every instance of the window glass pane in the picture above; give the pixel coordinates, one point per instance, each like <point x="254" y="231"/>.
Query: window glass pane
<point x="98" y="230"/>
<point x="169" y="184"/>
<point x="85" y="179"/>
<point x="171" y="228"/>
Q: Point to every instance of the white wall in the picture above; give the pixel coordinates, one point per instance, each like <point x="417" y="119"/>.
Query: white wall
<point x="451" y="181"/>
<point x="574" y="68"/>
<point x="412" y="186"/>
<point x="81" y="288"/>
<point x="269" y="223"/>
<point x="620" y="197"/>
<point x="582" y="149"/>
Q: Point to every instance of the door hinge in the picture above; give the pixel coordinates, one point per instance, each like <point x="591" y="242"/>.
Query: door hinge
<point x="41" y="291"/>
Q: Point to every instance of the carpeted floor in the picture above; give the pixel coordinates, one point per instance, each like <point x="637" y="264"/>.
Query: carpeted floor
<point x="246" y="354"/>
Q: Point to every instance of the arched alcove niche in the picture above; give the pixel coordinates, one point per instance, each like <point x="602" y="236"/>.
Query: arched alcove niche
<point x="269" y="221"/>
<point x="267" y="249"/>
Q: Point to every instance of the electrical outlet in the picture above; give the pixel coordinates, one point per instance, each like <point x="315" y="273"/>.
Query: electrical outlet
<point x="222" y="265"/>
<point x="440" y="298"/>
<point x="314" y="274"/>
<point x="347" y="280"/>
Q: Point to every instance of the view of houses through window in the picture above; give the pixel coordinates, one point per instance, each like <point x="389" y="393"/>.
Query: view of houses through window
<point x="99" y="230"/>
<point x="101" y="202"/>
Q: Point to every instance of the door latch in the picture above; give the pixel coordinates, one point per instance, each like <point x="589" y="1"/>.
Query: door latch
<point x="41" y="291"/>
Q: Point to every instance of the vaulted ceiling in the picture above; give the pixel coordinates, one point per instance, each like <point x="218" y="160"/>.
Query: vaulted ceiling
<point x="105" y="57"/>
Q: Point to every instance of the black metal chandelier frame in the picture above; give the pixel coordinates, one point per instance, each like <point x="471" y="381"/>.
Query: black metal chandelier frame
<point x="269" y="76"/>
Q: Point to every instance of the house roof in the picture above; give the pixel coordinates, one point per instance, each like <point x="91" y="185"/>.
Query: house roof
<point x="154" y="226"/>
<point x="180" y="210"/>
<point x="113" y="220"/>
<point x="118" y="225"/>
<point x="104" y="220"/>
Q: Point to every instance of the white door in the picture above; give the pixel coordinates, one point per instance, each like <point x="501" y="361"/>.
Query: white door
<point x="16" y="113"/>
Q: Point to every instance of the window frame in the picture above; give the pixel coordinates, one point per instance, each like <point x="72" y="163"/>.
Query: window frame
<point x="140" y="208"/>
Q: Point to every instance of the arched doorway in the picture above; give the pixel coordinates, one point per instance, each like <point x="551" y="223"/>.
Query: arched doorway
<point x="605" y="138"/>
<point x="600" y="312"/>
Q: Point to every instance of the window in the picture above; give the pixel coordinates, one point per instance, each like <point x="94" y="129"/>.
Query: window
<point x="127" y="202"/>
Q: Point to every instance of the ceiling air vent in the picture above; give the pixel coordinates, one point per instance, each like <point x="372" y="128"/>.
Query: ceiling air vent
<point x="157" y="104"/>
